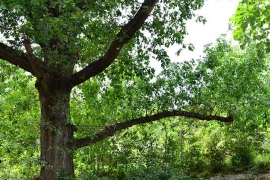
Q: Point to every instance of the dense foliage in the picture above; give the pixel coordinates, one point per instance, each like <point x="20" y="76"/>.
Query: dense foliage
<point x="251" y="20"/>
<point x="227" y="78"/>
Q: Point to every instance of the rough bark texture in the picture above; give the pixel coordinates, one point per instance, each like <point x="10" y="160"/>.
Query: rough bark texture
<point x="56" y="136"/>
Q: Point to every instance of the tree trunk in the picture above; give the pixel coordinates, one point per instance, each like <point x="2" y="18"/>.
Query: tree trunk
<point x="56" y="137"/>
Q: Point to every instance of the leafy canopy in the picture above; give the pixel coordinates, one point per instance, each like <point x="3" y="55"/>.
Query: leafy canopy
<point x="86" y="29"/>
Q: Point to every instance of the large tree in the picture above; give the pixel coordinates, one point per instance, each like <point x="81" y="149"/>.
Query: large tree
<point x="66" y="43"/>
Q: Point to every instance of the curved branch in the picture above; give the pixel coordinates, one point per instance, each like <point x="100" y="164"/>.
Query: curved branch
<point x="15" y="57"/>
<point x="123" y="37"/>
<point x="112" y="129"/>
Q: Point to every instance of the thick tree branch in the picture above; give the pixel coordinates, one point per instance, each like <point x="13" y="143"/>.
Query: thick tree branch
<point x="123" y="37"/>
<point x="112" y="129"/>
<point x="26" y="61"/>
<point x="15" y="57"/>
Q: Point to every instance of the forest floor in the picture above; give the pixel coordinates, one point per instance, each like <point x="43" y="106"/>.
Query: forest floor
<point x="242" y="177"/>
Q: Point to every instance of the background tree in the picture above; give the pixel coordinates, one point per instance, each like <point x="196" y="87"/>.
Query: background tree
<point x="19" y="127"/>
<point x="65" y="43"/>
<point x="251" y="21"/>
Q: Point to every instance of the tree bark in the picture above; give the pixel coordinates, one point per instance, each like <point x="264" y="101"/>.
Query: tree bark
<point x="56" y="137"/>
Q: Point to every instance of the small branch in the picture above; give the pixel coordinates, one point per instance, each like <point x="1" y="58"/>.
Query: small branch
<point x="123" y="37"/>
<point x="33" y="60"/>
<point x="82" y="4"/>
<point x="112" y="129"/>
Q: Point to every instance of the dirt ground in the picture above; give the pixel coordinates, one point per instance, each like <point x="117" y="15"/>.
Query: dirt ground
<point x="242" y="177"/>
